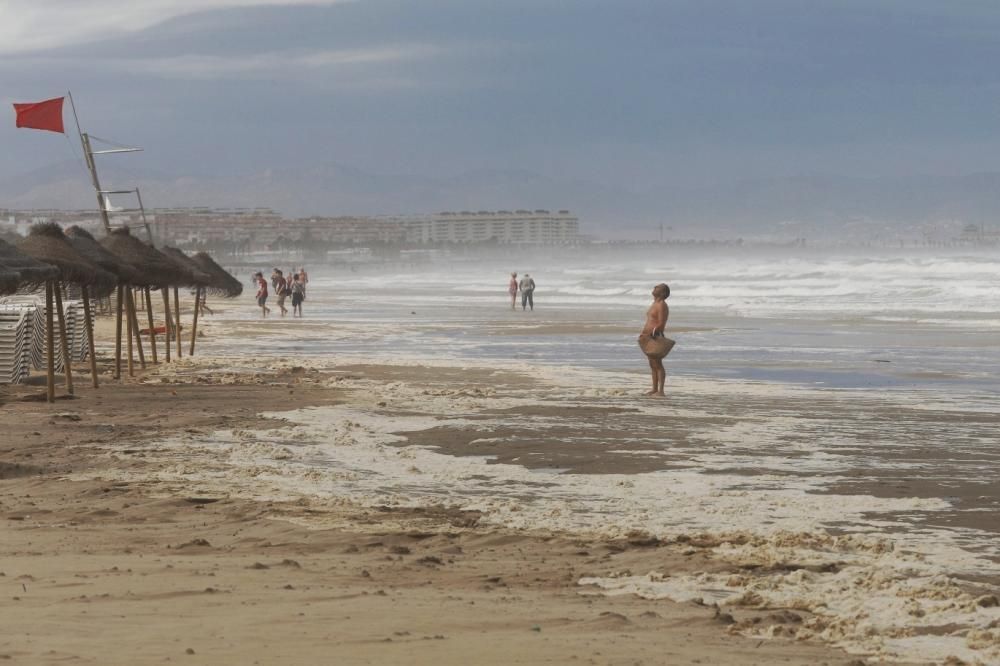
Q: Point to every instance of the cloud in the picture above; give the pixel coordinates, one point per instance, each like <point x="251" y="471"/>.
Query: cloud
<point x="262" y="65"/>
<point x="30" y="26"/>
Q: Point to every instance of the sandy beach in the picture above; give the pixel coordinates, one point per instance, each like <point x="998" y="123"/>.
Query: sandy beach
<point x="312" y="491"/>
<point x="103" y="571"/>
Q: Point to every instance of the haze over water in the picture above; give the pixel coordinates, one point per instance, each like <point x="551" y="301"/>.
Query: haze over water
<point x="852" y="320"/>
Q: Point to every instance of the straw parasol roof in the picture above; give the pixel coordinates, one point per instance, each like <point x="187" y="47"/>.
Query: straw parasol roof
<point x="47" y="242"/>
<point x="152" y="268"/>
<point x="10" y="280"/>
<point x="223" y="284"/>
<point x="84" y="243"/>
<point x="198" y="277"/>
<point x="31" y="272"/>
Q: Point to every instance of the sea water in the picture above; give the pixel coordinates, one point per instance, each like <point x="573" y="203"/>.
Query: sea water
<point x="851" y="321"/>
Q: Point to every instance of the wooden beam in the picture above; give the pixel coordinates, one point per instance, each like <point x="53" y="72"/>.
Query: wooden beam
<point x="66" y="355"/>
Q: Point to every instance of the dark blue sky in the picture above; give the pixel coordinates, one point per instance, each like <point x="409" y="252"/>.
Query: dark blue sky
<point x="634" y="93"/>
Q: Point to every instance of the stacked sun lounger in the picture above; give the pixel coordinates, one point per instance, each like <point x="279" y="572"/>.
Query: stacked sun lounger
<point x="29" y="338"/>
<point x="15" y="352"/>
<point x="76" y="331"/>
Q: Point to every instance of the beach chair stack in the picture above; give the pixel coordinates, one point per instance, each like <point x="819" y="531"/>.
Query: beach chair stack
<point x="76" y="331"/>
<point x="22" y="339"/>
<point x="15" y="343"/>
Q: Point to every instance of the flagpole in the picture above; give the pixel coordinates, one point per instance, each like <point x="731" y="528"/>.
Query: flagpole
<point x="91" y="166"/>
<point x="69" y="93"/>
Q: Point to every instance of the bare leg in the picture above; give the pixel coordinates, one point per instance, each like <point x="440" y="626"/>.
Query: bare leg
<point x="655" y="374"/>
<point x="662" y="376"/>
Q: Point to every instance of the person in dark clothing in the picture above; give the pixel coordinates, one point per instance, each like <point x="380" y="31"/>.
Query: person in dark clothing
<point x="298" y="295"/>
<point x="527" y="286"/>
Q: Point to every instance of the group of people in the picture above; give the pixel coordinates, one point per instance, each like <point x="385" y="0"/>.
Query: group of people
<point x="652" y="341"/>
<point x="294" y="285"/>
<point x="527" y="288"/>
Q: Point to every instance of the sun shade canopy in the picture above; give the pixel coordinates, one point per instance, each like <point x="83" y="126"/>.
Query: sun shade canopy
<point x="223" y="283"/>
<point x="151" y="267"/>
<point x="33" y="273"/>
<point x="88" y="247"/>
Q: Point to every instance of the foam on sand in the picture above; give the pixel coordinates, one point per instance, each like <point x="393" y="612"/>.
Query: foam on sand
<point x="753" y="492"/>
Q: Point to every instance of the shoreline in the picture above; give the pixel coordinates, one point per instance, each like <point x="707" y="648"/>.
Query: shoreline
<point x="89" y="563"/>
<point x="415" y="485"/>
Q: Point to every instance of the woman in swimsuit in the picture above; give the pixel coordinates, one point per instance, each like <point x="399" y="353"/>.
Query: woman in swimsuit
<point x="512" y="290"/>
<point x="656" y="321"/>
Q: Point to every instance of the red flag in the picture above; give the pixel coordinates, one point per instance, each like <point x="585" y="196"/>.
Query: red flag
<point x="45" y="115"/>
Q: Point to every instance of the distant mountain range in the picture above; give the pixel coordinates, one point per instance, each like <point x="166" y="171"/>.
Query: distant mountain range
<point x="813" y="206"/>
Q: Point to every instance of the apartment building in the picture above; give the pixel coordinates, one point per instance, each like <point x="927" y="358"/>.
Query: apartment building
<point x="537" y="227"/>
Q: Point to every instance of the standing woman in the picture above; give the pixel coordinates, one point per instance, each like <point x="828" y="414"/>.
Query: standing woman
<point x="652" y="341"/>
<point x="512" y="290"/>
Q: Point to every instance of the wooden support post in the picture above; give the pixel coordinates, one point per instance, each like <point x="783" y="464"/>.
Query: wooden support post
<point x="149" y="316"/>
<point x="167" y="323"/>
<point x="50" y="359"/>
<point x="177" y="320"/>
<point x="194" y="320"/>
<point x="120" y="298"/>
<point x="128" y="330"/>
<point x="135" y="328"/>
<point x="89" y="324"/>
<point x="66" y="355"/>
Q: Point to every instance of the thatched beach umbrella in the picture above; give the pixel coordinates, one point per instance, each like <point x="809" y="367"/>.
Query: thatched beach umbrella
<point x="47" y="243"/>
<point x="10" y="280"/>
<point x="85" y="243"/>
<point x="88" y="247"/>
<point x="32" y="273"/>
<point x="223" y="284"/>
<point x="199" y="280"/>
<point x="153" y="269"/>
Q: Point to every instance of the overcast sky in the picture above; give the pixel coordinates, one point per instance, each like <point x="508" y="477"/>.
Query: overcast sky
<point x="630" y="92"/>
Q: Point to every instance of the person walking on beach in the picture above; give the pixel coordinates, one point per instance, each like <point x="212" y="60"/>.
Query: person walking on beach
<point x="202" y="304"/>
<point x="652" y="341"/>
<point x="298" y="295"/>
<point x="304" y="279"/>
<point x="262" y="295"/>
<point x="512" y="290"/>
<point x="281" y="291"/>
<point x="527" y="293"/>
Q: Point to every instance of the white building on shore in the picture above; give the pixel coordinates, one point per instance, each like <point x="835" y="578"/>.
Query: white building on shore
<point x="537" y="227"/>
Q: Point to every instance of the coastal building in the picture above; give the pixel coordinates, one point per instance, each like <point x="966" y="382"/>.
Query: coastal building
<point x="974" y="234"/>
<point x="263" y="229"/>
<point x="185" y="227"/>
<point x="537" y="227"/>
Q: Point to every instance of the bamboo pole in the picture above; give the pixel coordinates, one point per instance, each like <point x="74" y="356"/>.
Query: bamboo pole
<point x="50" y="360"/>
<point x="67" y="357"/>
<point x="88" y="323"/>
<point x="177" y="320"/>
<point x="135" y="328"/>
<point x="166" y="318"/>
<point x="118" y="331"/>
<point x="149" y="316"/>
<point x="194" y="321"/>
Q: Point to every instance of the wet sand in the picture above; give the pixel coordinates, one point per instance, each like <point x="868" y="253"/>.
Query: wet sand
<point x="113" y="572"/>
<point x="495" y="513"/>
